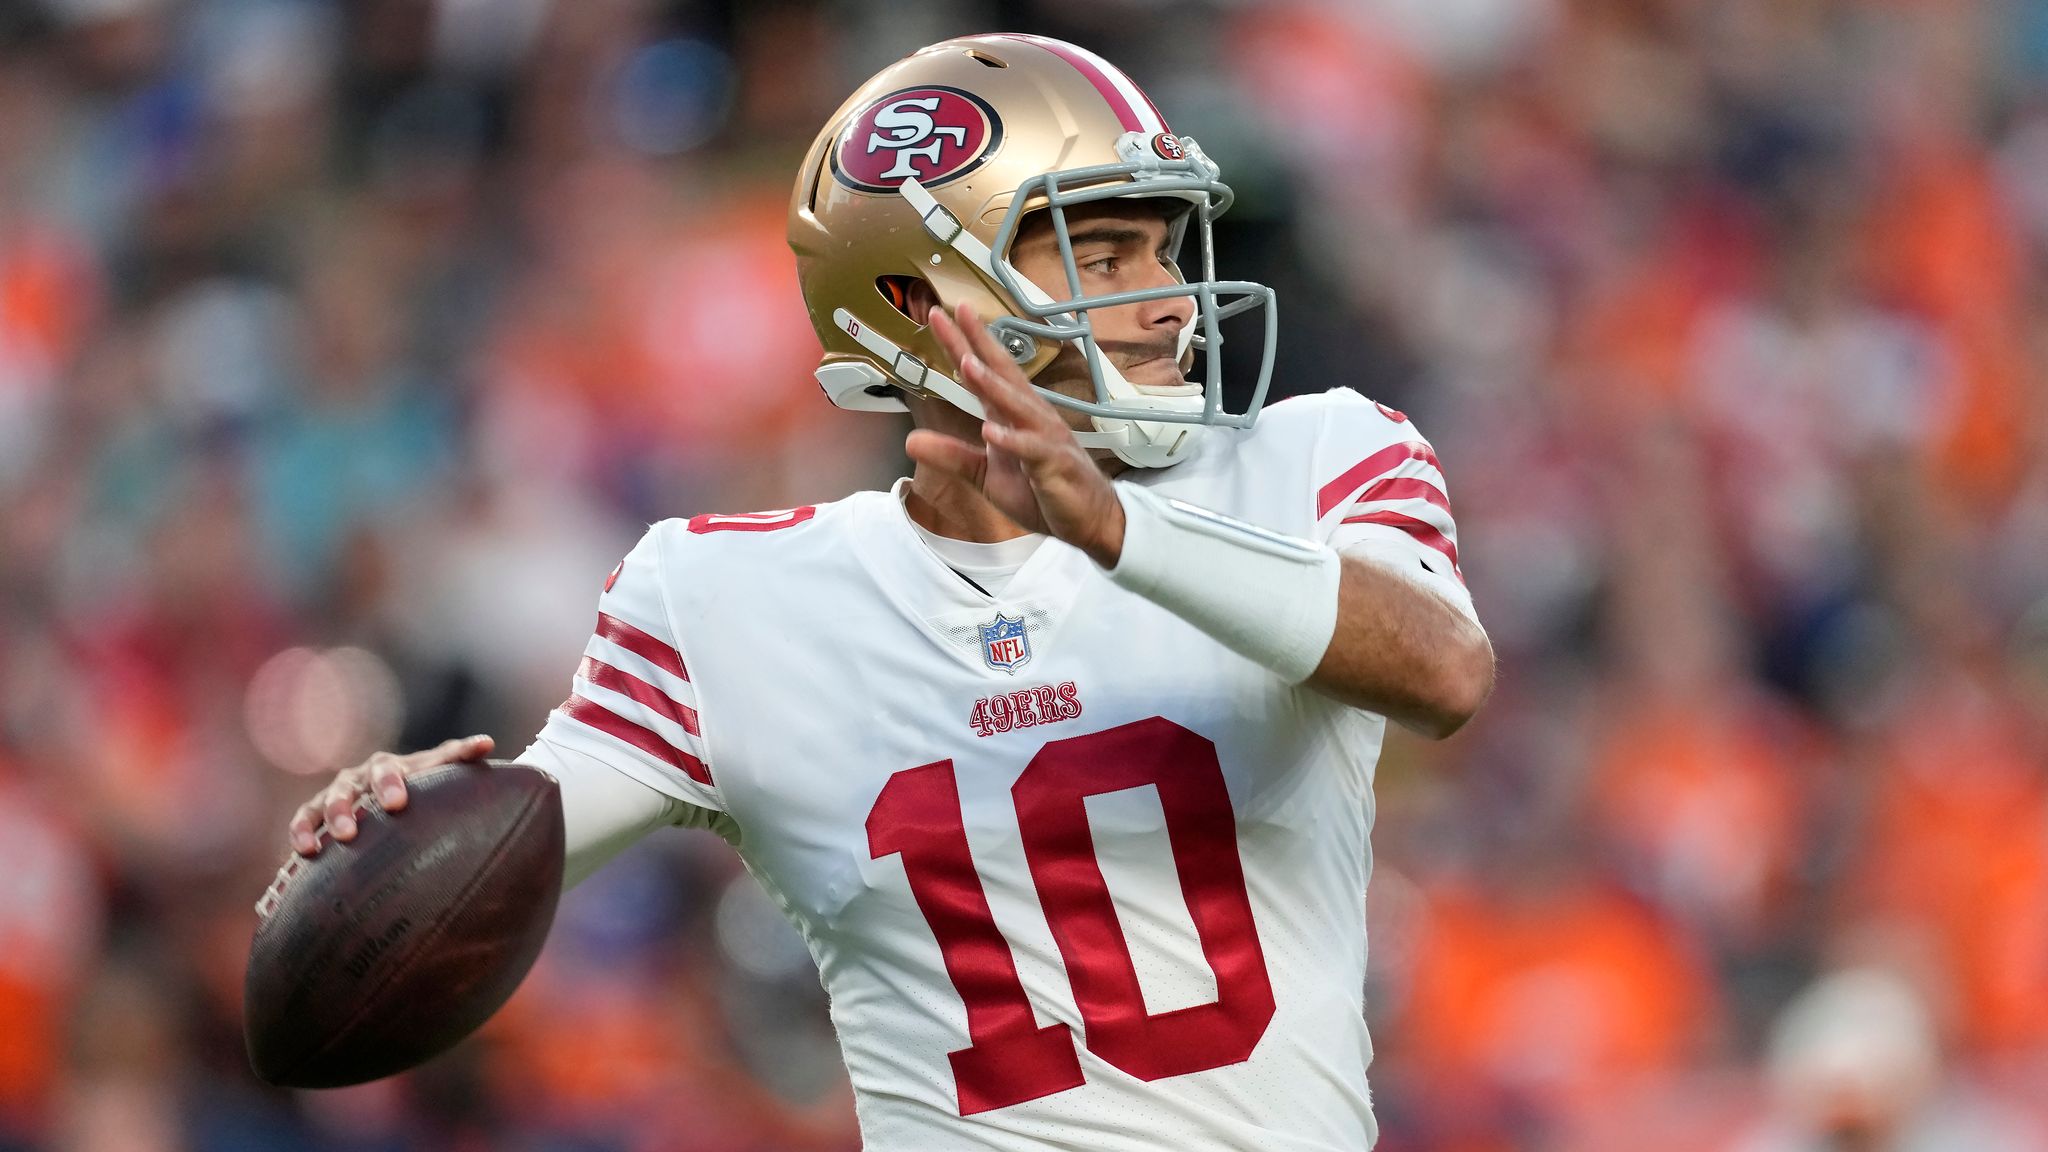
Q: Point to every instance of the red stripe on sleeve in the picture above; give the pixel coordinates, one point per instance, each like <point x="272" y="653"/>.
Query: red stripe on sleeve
<point x="641" y="644"/>
<point x="1424" y="532"/>
<point x="626" y="684"/>
<point x="595" y="715"/>
<point x="1384" y="460"/>
<point x="1404" y="488"/>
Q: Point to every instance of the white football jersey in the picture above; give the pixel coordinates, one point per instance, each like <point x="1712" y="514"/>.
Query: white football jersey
<point x="1075" y="875"/>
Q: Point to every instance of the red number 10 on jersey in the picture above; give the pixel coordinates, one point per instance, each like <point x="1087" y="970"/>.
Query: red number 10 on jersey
<point x="1011" y="1059"/>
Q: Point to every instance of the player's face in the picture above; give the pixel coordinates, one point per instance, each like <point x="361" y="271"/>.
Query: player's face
<point x="1119" y="246"/>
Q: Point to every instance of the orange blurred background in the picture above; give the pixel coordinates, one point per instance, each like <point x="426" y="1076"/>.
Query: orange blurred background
<point x="344" y="347"/>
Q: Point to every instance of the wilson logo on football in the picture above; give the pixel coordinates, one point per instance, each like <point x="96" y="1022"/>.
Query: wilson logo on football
<point x="934" y="134"/>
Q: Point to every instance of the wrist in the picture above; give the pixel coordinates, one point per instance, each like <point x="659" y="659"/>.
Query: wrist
<point x="1108" y="549"/>
<point x="1268" y="597"/>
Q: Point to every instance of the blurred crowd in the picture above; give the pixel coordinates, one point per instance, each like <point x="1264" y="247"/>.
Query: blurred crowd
<point x="344" y="346"/>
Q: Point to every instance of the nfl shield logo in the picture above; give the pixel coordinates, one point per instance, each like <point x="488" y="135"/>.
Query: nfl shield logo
<point x="1005" y="645"/>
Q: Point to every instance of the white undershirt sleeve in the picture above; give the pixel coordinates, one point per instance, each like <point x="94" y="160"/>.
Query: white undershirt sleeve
<point x="605" y="811"/>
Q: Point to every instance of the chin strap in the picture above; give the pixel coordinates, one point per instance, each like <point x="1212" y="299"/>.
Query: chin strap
<point x="913" y="373"/>
<point x="947" y="229"/>
<point x="916" y="374"/>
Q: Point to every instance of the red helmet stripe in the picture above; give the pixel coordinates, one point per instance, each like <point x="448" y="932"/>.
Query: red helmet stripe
<point x="1134" y="110"/>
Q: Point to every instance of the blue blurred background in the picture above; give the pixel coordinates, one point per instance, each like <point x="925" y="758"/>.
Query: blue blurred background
<point x="344" y="347"/>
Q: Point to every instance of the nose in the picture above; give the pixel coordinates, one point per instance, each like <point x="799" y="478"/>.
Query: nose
<point x="1170" y="314"/>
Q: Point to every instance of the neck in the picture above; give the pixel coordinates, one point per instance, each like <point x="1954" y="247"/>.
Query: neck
<point x="948" y="506"/>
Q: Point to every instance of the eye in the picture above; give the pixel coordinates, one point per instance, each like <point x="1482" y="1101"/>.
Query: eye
<point x="1101" y="266"/>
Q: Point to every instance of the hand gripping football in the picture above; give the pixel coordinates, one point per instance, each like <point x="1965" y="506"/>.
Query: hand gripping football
<point x="385" y="951"/>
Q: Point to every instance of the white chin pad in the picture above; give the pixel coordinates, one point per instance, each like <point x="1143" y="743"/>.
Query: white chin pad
<point x="1151" y="443"/>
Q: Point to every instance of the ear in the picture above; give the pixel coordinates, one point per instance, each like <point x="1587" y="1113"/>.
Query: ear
<point x="918" y="301"/>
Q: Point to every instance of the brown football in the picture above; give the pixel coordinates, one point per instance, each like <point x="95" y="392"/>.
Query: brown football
<point x="378" y="954"/>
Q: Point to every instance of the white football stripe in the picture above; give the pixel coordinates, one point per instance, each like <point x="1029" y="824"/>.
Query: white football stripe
<point x="1412" y="470"/>
<point x="626" y="660"/>
<point x="627" y="708"/>
<point x="1411" y="506"/>
<point x="567" y="734"/>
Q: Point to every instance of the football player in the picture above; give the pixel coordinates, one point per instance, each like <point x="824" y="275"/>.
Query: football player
<point x="1059" y="753"/>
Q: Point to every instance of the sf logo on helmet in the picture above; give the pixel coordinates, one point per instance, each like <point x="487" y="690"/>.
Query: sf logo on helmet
<point x="907" y="128"/>
<point x="934" y="134"/>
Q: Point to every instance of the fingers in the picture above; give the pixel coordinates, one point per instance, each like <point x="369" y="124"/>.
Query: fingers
<point x="1019" y="422"/>
<point x="948" y="453"/>
<point x="1010" y="402"/>
<point x="338" y="804"/>
<point x="454" y="750"/>
<point x="383" y="774"/>
<point x="305" y="840"/>
<point x="387" y="772"/>
<point x="307" y="821"/>
<point x="982" y="343"/>
<point x="387" y="780"/>
<point x="448" y="752"/>
<point x="987" y="371"/>
<point x="950" y="337"/>
<point x="1029" y="445"/>
<point x="998" y="380"/>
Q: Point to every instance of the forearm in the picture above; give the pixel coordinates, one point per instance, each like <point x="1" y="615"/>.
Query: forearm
<point x="1403" y="650"/>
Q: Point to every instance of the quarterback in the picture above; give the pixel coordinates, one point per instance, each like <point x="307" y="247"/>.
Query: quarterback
<point x="1059" y="753"/>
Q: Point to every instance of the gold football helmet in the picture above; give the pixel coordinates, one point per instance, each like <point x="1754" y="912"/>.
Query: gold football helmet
<point x="926" y="173"/>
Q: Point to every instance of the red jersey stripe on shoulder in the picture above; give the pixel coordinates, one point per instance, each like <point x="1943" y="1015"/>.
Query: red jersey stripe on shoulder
<point x="594" y="715"/>
<point x="1424" y="532"/>
<point x="1384" y="460"/>
<point x="639" y="691"/>
<point x="1403" y="488"/>
<point x="641" y="644"/>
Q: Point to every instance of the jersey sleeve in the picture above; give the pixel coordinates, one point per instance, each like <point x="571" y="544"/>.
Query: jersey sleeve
<point x="631" y="704"/>
<point x="1381" y="494"/>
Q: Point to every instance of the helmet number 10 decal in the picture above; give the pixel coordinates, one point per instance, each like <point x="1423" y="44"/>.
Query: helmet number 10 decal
<point x="932" y="134"/>
<point x="1010" y="1058"/>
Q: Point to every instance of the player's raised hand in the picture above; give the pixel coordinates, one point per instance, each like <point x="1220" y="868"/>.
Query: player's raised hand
<point x="1028" y="464"/>
<point x="384" y="773"/>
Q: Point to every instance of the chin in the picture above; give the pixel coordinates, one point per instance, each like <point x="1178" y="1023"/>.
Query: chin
<point x="1155" y="374"/>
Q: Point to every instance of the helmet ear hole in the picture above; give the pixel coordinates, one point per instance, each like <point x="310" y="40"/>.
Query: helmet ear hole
<point x="910" y="295"/>
<point x="896" y="290"/>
